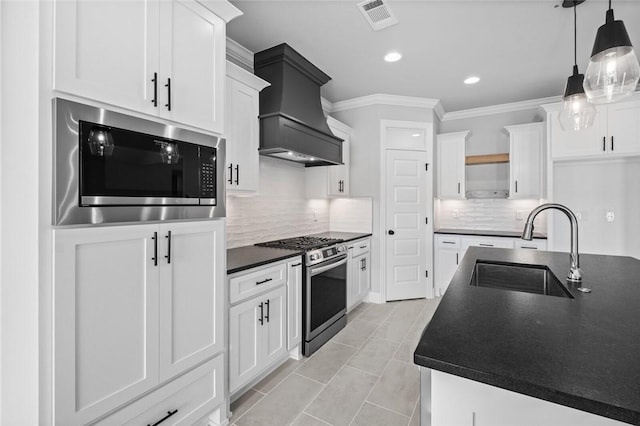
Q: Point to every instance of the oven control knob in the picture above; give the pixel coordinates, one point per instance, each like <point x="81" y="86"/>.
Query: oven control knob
<point x="314" y="257"/>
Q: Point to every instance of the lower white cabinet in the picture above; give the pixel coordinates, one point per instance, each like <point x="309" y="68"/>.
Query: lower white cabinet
<point x="358" y="272"/>
<point x="463" y="402"/>
<point x="450" y="249"/>
<point x="266" y="323"/>
<point x="134" y="307"/>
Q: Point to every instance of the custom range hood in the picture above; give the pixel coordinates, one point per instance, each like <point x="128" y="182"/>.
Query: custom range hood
<point x="292" y="124"/>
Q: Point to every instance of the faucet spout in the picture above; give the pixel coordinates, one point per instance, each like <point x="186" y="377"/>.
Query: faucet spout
<point x="575" y="274"/>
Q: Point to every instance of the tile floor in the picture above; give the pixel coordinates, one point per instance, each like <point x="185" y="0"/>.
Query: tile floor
<point x="365" y="375"/>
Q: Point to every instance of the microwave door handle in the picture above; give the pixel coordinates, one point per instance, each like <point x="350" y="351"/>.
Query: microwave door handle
<point x="316" y="271"/>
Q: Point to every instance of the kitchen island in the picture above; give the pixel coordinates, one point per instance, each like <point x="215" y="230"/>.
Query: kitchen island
<point x="581" y="352"/>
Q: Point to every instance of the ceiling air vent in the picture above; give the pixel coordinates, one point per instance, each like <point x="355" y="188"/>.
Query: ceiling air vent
<point x="377" y="13"/>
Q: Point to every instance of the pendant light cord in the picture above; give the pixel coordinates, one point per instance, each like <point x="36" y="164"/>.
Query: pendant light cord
<point x="575" y="34"/>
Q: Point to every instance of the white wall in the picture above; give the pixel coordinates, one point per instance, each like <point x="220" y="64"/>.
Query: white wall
<point x="19" y="212"/>
<point x="590" y="189"/>
<point x="365" y="179"/>
<point x="279" y="210"/>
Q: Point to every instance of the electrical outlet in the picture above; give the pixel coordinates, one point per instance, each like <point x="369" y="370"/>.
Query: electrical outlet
<point x="610" y="216"/>
<point x="520" y="214"/>
<point x="315" y="216"/>
<point x="456" y="213"/>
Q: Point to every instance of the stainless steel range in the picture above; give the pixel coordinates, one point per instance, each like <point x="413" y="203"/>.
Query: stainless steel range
<point x="325" y="287"/>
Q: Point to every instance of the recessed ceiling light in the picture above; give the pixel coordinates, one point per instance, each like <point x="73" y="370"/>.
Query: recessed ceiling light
<point x="415" y="135"/>
<point x="472" y="79"/>
<point x="393" y="56"/>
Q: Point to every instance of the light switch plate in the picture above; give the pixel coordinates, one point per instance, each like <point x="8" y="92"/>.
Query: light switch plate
<point x="610" y="216"/>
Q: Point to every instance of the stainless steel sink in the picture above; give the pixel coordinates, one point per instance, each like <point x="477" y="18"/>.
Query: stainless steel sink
<point x="537" y="279"/>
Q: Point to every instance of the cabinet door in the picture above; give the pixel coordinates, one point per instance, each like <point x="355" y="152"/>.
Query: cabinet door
<point x="623" y="125"/>
<point x="338" y="176"/>
<point x="364" y="276"/>
<point x="192" y="265"/>
<point x="451" y="165"/>
<point x="446" y="264"/>
<point x="245" y="342"/>
<point x="294" y="303"/>
<point x="107" y="51"/>
<point x="193" y="46"/>
<point x="352" y="278"/>
<point x="525" y="165"/>
<point x="105" y="319"/>
<point x="586" y="142"/>
<point x="275" y="325"/>
<point x="242" y="137"/>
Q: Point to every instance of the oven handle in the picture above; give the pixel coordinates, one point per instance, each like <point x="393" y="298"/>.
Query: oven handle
<point x="316" y="271"/>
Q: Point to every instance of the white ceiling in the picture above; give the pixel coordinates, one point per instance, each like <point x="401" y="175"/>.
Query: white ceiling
<point x="521" y="49"/>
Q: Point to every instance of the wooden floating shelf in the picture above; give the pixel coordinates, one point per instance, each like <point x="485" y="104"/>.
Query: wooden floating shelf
<point x="487" y="159"/>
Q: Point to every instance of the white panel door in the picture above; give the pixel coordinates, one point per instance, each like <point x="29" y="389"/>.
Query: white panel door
<point x="193" y="46"/>
<point x="107" y="50"/>
<point x="406" y="211"/>
<point x="245" y="342"/>
<point x="294" y="303"/>
<point x="192" y="259"/>
<point x="105" y="316"/>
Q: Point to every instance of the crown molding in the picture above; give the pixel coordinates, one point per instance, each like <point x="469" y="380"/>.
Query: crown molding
<point x="326" y="105"/>
<point x="499" y="109"/>
<point x="239" y="54"/>
<point x="383" y="99"/>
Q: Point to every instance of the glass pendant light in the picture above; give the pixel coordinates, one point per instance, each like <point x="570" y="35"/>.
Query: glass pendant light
<point x="100" y="142"/>
<point x="577" y="112"/>
<point x="613" y="70"/>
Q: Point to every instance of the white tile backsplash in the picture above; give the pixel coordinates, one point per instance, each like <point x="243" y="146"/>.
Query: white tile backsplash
<point x="487" y="214"/>
<point x="278" y="210"/>
<point x="351" y="215"/>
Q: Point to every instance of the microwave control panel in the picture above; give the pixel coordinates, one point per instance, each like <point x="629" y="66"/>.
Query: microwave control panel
<point x="207" y="173"/>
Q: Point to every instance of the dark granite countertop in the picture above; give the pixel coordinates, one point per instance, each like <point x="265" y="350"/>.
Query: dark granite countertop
<point x="247" y="257"/>
<point x="582" y="353"/>
<point x="487" y="233"/>
<point x="345" y="236"/>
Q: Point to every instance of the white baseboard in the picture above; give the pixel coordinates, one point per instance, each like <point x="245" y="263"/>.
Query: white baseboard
<point x="372" y="297"/>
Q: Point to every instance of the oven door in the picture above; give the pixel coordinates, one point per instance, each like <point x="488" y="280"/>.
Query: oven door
<point x="326" y="295"/>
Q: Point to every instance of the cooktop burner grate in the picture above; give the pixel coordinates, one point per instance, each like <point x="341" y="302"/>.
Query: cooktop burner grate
<point x="301" y="243"/>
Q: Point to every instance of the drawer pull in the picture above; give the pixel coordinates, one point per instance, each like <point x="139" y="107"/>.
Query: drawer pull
<point x="363" y="247"/>
<point x="264" y="281"/>
<point x="529" y="247"/>
<point x="169" y="414"/>
<point x="486" y="245"/>
<point x="296" y="264"/>
<point x="448" y="242"/>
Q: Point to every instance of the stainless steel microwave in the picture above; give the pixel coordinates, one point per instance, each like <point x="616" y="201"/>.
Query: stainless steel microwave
<point x="112" y="167"/>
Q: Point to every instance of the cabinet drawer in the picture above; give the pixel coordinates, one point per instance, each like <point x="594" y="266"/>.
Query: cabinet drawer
<point x="486" y="242"/>
<point x="193" y="395"/>
<point x="448" y="242"/>
<point x="256" y="280"/>
<point x="360" y="247"/>
<point x="535" y="245"/>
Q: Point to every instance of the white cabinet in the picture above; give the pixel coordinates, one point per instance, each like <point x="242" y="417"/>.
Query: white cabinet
<point x="294" y="303"/>
<point x="616" y="132"/>
<point x="463" y="402"/>
<point x="447" y="257"/>
<point x="482" y="241"/>
<point x="331" y="181"/>
<point x="451" y="165"/>
<point x="258" y="319"/>
<point x="165" y="58"/>
<point x="242" y="130"/>
<point x="133" y="307"/>
<point x="531" y="245"/>
<point x="525" y="160"/>
<point x="358" y="272"/>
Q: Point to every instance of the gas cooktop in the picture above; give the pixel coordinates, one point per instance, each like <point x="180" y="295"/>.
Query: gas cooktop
<point x="306" y="242"/>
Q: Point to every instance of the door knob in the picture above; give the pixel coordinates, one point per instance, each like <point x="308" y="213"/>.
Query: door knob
<point x="391" y="232"/>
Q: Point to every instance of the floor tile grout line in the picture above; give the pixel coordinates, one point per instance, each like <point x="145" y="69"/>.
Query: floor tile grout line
<point x="252" y="405"/>
<point x="388" y="409"/>
<point x="416" y="407"/>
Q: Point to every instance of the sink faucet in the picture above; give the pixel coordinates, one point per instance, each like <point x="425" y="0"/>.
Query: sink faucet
<point x="575" y="274"/>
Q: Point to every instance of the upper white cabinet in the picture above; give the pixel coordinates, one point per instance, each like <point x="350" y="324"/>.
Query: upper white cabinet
<point x="331" y="181"/>
<point x="451" y="165"/>
<point x="615" y="132"/>
<point x="525" y="160"/>
<point x="134" y="306"/>
<point x="165" y="58"/>
<point x="242" y="129"/>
